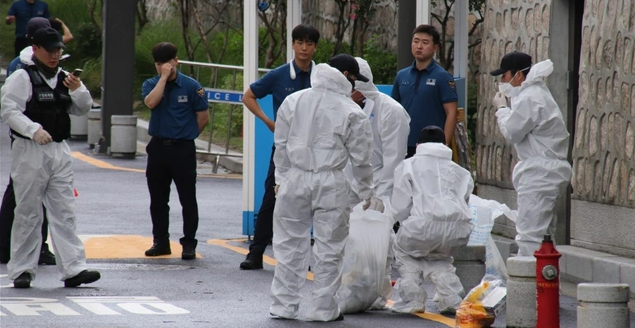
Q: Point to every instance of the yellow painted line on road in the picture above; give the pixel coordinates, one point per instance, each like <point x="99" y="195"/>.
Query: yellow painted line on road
<point x="104" y="165"/>
<point x="266" y="259"/>
<point x="125" y="247"/>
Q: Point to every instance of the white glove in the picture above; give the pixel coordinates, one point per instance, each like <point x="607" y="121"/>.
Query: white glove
<point x="499" y="100"/>
<point x="374" y="204"/>
<point x="42" y="137"/>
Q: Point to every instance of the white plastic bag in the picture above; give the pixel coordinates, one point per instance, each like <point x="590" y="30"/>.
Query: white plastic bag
<point x="483" y="213"/>
<point x="364" y="269"/>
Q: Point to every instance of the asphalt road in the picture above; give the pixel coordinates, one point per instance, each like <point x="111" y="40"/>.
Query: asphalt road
<point x="135" y="291"/>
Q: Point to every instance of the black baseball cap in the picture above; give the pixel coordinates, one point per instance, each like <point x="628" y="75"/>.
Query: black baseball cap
<point x="344" y="62"/>
<point x="48" y="38"/>
<point x="35" y="24"/>
<point x="513" y="61"/>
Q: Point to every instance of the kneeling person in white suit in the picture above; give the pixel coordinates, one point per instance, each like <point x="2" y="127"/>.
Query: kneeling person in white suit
<point x="429" y="199"/>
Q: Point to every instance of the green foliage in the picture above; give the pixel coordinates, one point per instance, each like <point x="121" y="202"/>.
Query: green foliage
<point x="87" y="40"/>
<point x="383" y="63"/>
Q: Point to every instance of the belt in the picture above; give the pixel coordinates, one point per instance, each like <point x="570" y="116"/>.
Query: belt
<point x="169" y="142"/>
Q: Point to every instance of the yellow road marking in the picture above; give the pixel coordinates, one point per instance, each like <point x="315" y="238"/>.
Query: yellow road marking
<point x="266" y="259"/>
<point x="104" y="165"/>
<point x="125" y="247"/>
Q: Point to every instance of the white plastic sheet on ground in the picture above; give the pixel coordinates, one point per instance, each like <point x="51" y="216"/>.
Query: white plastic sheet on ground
<point x="364" y="270"/>
<point x="483" y="213"/>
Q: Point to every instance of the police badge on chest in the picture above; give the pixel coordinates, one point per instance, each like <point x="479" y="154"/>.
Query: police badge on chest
<point x="46" y="96"/>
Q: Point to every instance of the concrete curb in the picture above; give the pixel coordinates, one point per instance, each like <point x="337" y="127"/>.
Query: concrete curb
<point x="233" y="164"/>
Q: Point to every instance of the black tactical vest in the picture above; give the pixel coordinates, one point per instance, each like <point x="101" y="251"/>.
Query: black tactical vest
<point x="48" y="106"/>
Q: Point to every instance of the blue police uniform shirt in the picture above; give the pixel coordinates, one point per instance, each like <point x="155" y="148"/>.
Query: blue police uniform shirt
<point x="15" y="65"/>
<point x="175" y="116"/>
<point x="279" y="84"/>
<point x="422" y="93"/>
<point x="24" y="11"/>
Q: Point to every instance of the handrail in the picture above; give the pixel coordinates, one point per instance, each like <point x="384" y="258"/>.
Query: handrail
<point x="213" y="65"/>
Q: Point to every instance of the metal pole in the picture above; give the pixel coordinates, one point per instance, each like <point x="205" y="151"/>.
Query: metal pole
<point x="461" y="12"/>
<point x="406" y="13"/>
<point x="423" y="11"/>
<point x="118" y="63"/>
<point x="250" y="58"/>
<point x="294" y="18"/>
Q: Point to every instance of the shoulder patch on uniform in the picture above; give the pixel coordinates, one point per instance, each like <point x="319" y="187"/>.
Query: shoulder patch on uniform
<point x="201" y="92"/>
<point x="452" y="85"/>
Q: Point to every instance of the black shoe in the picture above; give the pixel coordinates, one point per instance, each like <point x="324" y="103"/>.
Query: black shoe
<point x="84" y="277"/>
<point x="5" y="256"/>
<point x="46" y="257"/>
<point x="22" y="281"/>
<point x="340" y="317"/>
<point x="189" y="253"/>
<point x="252" y="262"/>
<point x="159" y="249"/>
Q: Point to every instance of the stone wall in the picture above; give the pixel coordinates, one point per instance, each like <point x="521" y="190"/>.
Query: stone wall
<point x="604" y="140"/>
<point x="509" y="25"/>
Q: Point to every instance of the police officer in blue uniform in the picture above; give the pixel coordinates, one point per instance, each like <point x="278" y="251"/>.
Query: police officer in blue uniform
<point x="179" y="114"/>
<point x="425" y="89"/>
<point x="280" y="82"/>
<point x="21" y="12"/>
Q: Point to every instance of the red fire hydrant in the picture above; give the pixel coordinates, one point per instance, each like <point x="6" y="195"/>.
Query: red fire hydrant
<point x="547" y="285"/>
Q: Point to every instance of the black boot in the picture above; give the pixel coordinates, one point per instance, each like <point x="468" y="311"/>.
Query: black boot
<point x="252" y="262"/>
<point x="84" y="277"/>
<point x="189" y="253"/>
<point x="46" y="257"/>
<point x="159" y="249"/>
<point x="23" y="280"/>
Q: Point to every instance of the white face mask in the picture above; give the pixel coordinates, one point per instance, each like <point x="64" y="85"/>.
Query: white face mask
<point x="509" y="90"/>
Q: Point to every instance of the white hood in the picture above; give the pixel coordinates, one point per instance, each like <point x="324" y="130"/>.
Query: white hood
<point x="368" y="89"/>
<point x="538" y="72"/>
<point x="25" y="56"/>
<point x="326" y="77"/>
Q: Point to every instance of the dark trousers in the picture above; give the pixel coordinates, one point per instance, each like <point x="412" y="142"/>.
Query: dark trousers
<point x="172" y="160"/>
<point x="19" y="45"/>
<point x="411" y="151"/>
<point x="7" y="215"/>
<point x="263" y="231"/>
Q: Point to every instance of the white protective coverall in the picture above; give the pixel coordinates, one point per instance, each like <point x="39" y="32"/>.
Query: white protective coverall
<point x="390" y="124"/>
<point x="536" y="128"/>
<point x="41" y="174"/>
<point x="318" y="130"/>
<point x="430" y="200"/>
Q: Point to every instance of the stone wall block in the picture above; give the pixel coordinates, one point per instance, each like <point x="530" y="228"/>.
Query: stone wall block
<point x="614" y="184"/>
<point x="580" y="127"/>
<point x="631" y="187"/>
<point x="628" y="55"/>
<point x="629" y="141"/>
<point x="593" y="136"/>
<point x="625" y="93"/>
<point x="619" y="49"/>
<point x="606" y="175"/>
<point x="598" y="54"/>
<point x="588" y="177"/>
<point x="529" y="21"/>
<point x="600" y="93"/>
<point x="580" y="171"/>
<point x="597" y="184"/>
<point x="623" y="181"/>
<point x="498" y="160"/>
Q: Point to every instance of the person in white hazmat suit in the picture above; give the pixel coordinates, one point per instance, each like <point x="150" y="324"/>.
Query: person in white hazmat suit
<point x="429" y="199"/>
<point x="390" y="124"/>
<point x="36" y="102"/>
<point x="317" y="132"/>
<point x="535" y="126"/>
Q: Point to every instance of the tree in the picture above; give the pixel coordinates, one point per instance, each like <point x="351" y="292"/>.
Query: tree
<point x="446" y="48"/>
<point x="343" y="21"/>
<point x="275" y="36"/>
<point x="362" y="12"/>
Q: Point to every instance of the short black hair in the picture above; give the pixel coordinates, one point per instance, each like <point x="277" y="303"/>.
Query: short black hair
<point x="305" y="33"/>
<point x="429" y="30"/>
<point x="432" y="133"/>
<point x="163" y="52"/>
<point x="57" y="25"/>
